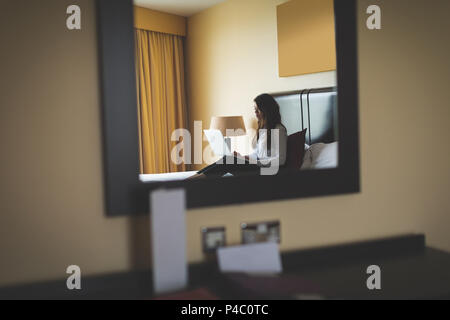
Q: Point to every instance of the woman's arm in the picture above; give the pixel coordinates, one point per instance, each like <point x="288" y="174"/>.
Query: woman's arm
<point x="252" y="156"/>
<point x="278" y="150"/>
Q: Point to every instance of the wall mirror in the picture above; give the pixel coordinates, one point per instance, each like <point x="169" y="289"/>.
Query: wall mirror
<point x="237" y="101"/>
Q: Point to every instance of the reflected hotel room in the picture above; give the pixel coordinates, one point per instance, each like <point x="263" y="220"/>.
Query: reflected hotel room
<point x="251" y="85"/>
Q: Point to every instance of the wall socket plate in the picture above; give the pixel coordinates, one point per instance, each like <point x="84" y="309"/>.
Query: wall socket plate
<point x="260" y="232"/>
<point x="213" y="238"/>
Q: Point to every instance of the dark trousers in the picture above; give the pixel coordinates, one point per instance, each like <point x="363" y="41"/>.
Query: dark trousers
<point x="230" y="165"/>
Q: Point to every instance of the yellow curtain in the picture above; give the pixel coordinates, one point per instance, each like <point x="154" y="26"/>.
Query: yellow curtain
<point x="161" y="98"/>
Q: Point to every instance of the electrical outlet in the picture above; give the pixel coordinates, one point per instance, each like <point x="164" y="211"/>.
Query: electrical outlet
<point x="213" y="238"/>
<point x="261" y="232"/>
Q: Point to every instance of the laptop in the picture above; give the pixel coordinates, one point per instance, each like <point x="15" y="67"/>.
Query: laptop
<point x="217" y="143"/>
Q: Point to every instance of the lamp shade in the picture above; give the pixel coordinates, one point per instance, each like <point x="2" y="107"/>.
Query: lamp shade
<point x="236" y="124"/>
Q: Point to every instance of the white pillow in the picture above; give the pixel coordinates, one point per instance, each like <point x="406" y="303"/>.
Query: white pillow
<point x="321" y="156"/>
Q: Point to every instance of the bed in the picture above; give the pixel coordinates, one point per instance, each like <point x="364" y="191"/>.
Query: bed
<point x="162" y="177"/>
<point x="315" y="110"/>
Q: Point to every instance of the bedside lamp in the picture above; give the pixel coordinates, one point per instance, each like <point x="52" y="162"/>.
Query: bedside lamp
<point x="231" y="123"/>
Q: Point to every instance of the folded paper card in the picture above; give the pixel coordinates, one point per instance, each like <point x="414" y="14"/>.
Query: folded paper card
<point x="250" y="258"/>
<point x="168" y="232"/>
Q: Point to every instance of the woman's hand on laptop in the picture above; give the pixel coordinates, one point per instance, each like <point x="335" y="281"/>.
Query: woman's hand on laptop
<point x="238" y="155"/>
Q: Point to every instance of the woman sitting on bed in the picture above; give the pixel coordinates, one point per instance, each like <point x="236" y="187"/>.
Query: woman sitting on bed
<point x="266" y="157"/>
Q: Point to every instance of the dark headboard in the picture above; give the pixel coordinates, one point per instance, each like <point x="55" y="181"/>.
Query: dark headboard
<point x="315" y="109"/>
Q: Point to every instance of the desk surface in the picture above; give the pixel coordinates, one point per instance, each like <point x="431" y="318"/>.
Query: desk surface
<point x="420" y="275"/>
<point x="409" y="270"/>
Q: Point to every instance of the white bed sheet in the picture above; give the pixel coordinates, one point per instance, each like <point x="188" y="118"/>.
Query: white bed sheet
<point x="321" y="156"/>
<point x="166" y="176"/>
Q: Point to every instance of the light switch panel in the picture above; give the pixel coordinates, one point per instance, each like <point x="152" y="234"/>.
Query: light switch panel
<point x="260" y="232"/>
<point x="213" y="238"/>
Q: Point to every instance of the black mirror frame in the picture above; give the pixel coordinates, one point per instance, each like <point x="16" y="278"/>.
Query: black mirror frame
<point x="125" y="194"/>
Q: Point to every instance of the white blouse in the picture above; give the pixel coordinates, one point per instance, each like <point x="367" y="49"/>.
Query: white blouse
<point x="278" y="148"/>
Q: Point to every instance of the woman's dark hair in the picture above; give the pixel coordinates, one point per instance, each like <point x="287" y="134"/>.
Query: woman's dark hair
<point x="270" y="110"/>
<point x="271" y="115"/>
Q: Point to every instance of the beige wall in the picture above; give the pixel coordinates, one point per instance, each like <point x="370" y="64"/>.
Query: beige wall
<point x="51" y="209"/>
<point x="232" y="56"/>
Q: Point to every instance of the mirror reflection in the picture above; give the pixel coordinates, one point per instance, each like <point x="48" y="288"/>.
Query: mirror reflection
<point x="235" y="87"/>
